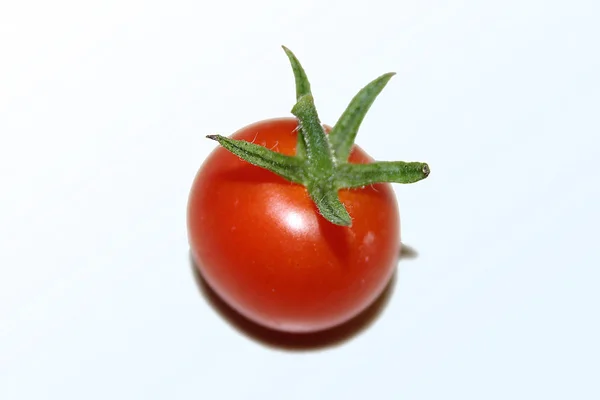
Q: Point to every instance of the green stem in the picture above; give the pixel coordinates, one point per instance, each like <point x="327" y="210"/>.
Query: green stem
<point x="318" y="149"/>
<point x="302" y="83"/>
<point x="321" y="160"/>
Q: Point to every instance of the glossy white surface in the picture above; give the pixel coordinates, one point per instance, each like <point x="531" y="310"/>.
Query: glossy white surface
<point x="103" y="111"/>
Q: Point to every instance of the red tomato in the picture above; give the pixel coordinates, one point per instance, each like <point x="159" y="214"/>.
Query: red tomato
<point x="260" y="243"/>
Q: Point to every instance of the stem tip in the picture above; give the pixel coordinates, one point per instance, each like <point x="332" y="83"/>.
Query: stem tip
<point x="426" y="170"/>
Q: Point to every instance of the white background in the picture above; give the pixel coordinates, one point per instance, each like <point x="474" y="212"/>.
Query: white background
<point x="103" y="111"/>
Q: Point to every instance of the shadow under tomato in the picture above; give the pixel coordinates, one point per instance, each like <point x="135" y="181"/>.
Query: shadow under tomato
<point x="293" y="341"/>
<point x="407" y="252"/>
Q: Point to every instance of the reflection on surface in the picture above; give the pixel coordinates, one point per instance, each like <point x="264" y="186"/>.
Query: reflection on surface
<point x="293" y="216"/>
<point x="294" y="221"/>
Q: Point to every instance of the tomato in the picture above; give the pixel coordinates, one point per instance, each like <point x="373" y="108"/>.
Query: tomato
<point x="260" y="243"/>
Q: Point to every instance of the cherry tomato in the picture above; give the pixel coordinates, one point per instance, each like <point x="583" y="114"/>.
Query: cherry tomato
<point x="261" y="244"/>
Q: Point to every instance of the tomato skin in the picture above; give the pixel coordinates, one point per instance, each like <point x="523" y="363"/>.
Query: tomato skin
<point x="260" y="243"/>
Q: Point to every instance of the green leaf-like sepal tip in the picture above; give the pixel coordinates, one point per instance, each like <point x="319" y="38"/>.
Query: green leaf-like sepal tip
<point x="288" y="167"/>
<point x="344" y="131"/>
<point x="358" y="175"/>
<point x="325" y="197"/>
<point x="302" y="89"/>
<point x="321" y="160"/>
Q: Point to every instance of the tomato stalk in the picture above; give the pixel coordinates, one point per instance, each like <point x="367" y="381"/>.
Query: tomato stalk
<point x="321" y="160"/>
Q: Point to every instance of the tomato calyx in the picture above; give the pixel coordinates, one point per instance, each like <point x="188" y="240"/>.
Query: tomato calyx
<point x="321" y="160"/>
